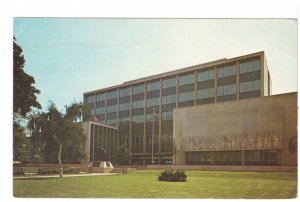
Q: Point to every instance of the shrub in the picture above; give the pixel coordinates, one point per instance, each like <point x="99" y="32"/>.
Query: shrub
<point x="19" y="171"/>
<point x="49" y="171"/>
<point x="172" y="176"/>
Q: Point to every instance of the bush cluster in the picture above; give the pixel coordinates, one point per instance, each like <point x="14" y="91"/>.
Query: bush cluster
<point x="49" y="171"/>
<point x="172" y="176"/>
<point x="19" y="171"/>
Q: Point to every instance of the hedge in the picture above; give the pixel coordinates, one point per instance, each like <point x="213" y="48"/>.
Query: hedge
<point x="173" y="176"/>
<point x="49" y="171"/>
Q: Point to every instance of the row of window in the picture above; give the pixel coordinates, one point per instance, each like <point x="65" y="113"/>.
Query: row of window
<point x="153" y="102"/>
<point x="186" y="96"/>
<point x="113" y="108"/>
<point x="227" y="90"/>
<point x="249" y="86"/>
<point x="138" y="89"/>
<point x="100" y="110"/>
<point x="206" y="75"/>
<point x="206" y="93"/>
<point x="169" y="99"/>
<point x="226" y="71"/>
<point x="138" y="104"/>
<point x="248" y="66"/>
<point x="153" y="86"/>
<point x="252" y="157"/>
<point x="187" y="79"/>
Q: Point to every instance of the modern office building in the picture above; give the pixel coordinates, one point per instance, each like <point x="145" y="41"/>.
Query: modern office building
<point x="131" y="107"/>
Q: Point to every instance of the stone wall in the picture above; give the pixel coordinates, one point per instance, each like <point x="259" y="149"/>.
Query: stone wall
<point x="249" y="124"/>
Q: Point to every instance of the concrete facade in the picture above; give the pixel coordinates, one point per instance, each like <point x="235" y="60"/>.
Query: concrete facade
<point x="256" y="131"/>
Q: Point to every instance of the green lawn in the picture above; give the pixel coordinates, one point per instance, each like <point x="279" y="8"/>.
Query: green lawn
<point x="144" y="184"/>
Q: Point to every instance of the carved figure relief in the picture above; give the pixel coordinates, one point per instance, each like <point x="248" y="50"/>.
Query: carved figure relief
<point x="244" y="142"/>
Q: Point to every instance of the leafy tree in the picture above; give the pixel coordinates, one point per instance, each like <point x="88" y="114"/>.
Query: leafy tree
<point x="21" y="144"/>
<point x="59" y="132"/>
<point x="24" y="98"/>
<point x="124" y="154"/>
<point x="24" y="91"/>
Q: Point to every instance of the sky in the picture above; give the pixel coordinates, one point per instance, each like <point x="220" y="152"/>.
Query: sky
<point x="70" y="56"/>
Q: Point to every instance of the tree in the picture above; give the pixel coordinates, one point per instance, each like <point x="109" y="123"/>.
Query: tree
<point x="124" y="154"/>
<point x="21" y="144"/>
<point x="59" y="132"/>
<point x="24" y="91"/>
<point x="24" y="98"/>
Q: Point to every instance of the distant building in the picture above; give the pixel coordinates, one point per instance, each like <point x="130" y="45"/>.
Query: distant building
<point x="127" y="111"/>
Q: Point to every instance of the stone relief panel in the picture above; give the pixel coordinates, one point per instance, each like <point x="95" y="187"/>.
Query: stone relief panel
<point x="231" y="142"/>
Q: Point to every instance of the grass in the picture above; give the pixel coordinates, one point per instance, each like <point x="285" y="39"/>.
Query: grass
<point x="144" y="184"/>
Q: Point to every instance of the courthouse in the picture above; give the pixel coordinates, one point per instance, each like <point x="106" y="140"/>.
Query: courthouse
<point x="217" y="113"/>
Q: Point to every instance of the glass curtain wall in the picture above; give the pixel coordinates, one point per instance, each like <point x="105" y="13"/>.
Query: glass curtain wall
<point x="90" y="101"/>
<point x="206" y="86"/>
<point x="124" y="115"/>
<point x="186" y="91"/>
<point x="101" y="107"/>
<point x="138" y="105"/>
<point x="250" y="82"/>
<point x="152" y="112"/>
<point x="112" y="107"/>
<point x="169" y="99"/>
<point x="227" y="83"/>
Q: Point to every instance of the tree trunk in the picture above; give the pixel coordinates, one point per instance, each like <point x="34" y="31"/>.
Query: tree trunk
<point x="59" y="160"/>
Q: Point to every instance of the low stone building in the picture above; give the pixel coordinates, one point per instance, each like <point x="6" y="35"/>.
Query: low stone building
<point x="256" y="131"/>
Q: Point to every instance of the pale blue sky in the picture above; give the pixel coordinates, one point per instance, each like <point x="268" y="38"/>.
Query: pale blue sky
<point x="70" y="56"/>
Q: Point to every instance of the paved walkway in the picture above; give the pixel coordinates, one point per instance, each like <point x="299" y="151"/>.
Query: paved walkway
<point x="34" y="176"/>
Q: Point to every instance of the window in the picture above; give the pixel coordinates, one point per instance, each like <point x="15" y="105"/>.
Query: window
<point x="169" y="99"/>
<point x="206" y="75"/>
<point x="227" y="90"/>
<point x="138" y="89"/>
<point x="243" y="87"/>
<point x="227" y="71"/>
<point x="90" y="99"/>
<point x="112" y="94"/>
<point x="186" y="96"/>
<point x="220" y="91"/>
<point x="138" y="119"/>
<point x="125" y="106"/>
<point x="206" y="93"/>
<point x="167" y="115"/>
<point x="138" y="104"/>
<point x="250" y="66"/>
<point x="186" y="79"/>
<point x="101" y="97"/>
<point x="243" y="68"/>
<point x="168" y="83"/>
<point x="256" y="65"/>
<point x="250" y="86"/>
<point x="125" y="92"/>
<point x="153" y="102"/>
<point x="100" y="110"/>
<point x="256" y="85"/>
<point x="112" y="108"/>
<point x="153" y="86"/>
